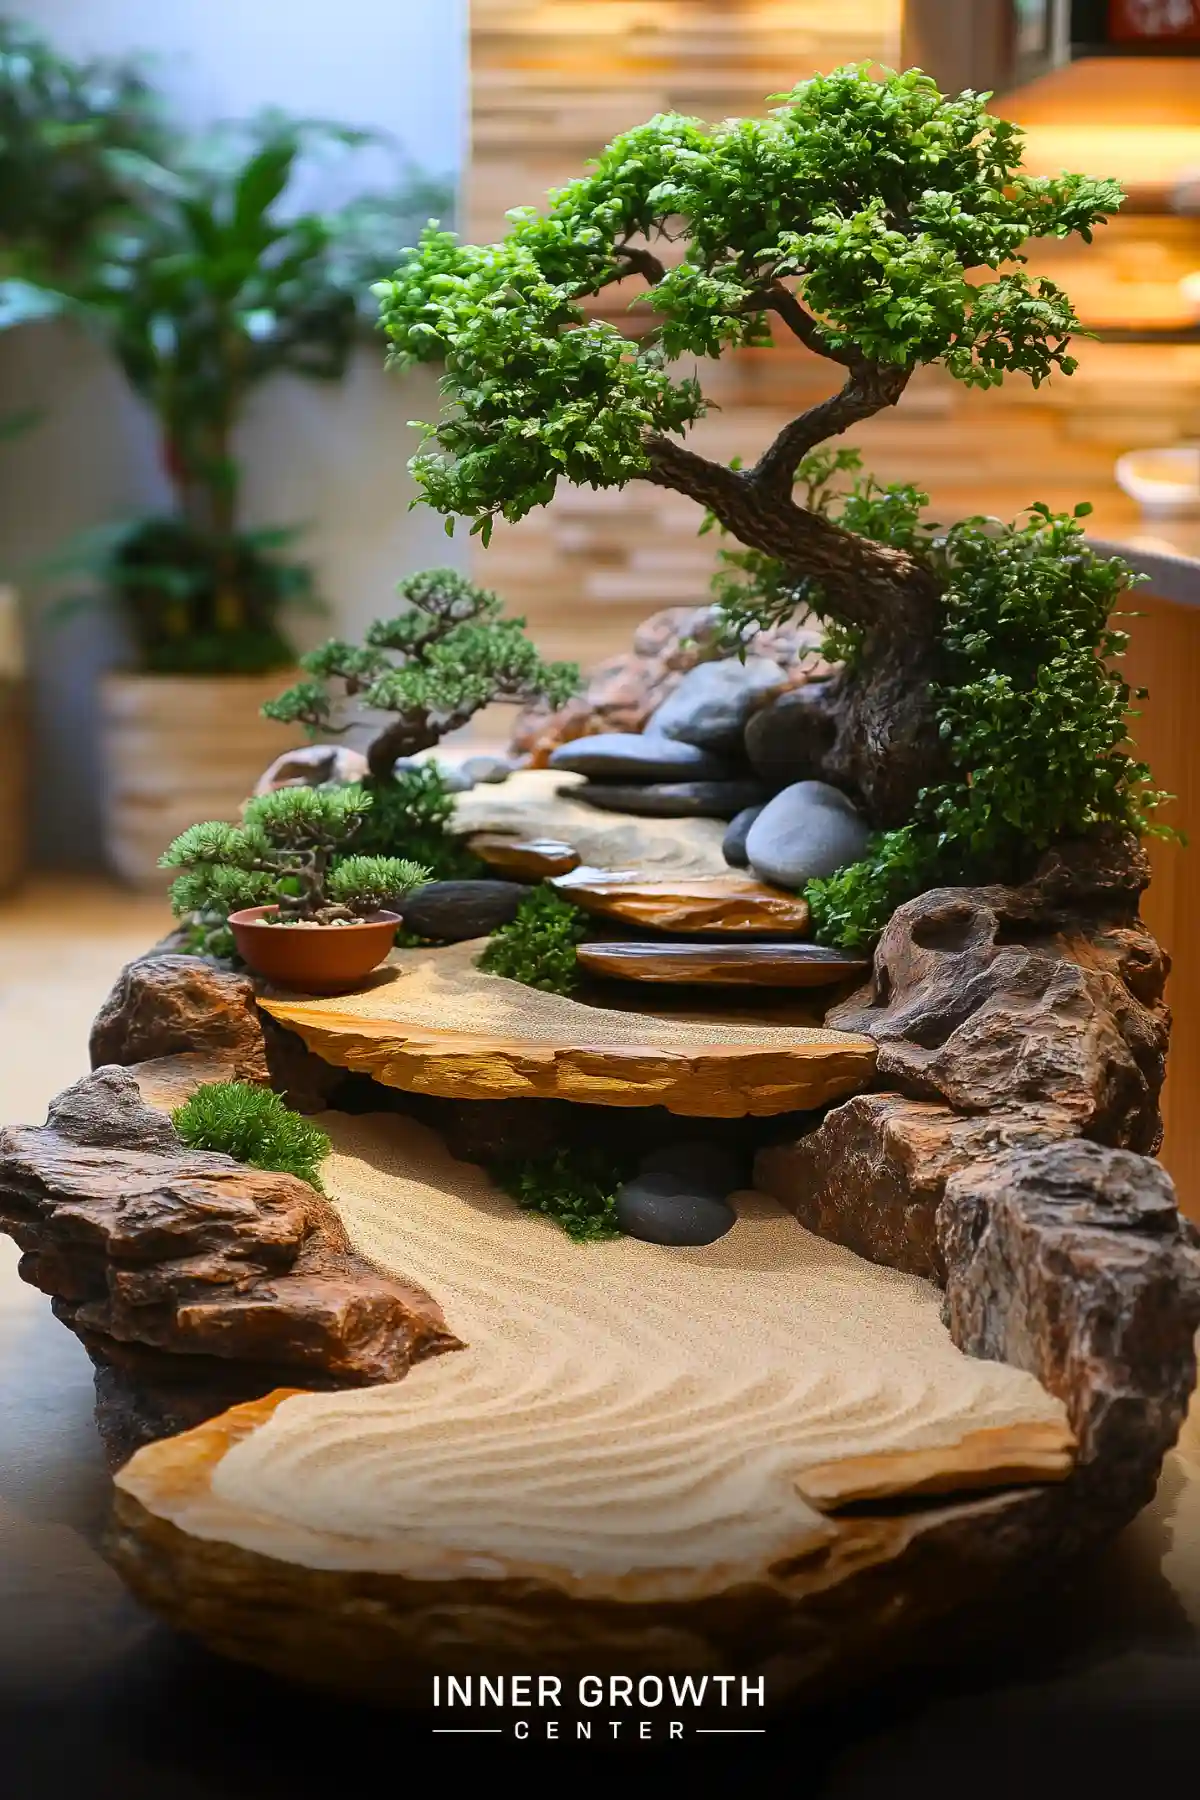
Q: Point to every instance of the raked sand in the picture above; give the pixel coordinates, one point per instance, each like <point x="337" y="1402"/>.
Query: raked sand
<point x="626" y="1417"/>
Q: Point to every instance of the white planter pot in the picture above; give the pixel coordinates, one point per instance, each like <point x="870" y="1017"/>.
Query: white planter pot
<point x="176" y="749"/>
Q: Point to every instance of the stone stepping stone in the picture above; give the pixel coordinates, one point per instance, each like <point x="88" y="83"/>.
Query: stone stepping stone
<point x="731" y="904"/>
<point x="674" y="799"/>
<point x="721" y="965"/>
<point x="433" y="1023"/>
<point x="630" y="756"/>
<point x="453" y="911"/>
<point x="525" y="859"/>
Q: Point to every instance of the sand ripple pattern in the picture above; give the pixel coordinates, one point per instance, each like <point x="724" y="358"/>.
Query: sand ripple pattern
<point x="622" y="1408"/>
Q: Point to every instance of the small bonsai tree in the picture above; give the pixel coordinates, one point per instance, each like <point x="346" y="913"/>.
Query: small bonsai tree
<point x="879" y="223"/>
<point x="433" y="666"/>
<point x="290" y="852"/>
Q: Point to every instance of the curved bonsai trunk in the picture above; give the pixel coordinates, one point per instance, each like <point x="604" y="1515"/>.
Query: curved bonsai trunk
<point x="871" y="729"/>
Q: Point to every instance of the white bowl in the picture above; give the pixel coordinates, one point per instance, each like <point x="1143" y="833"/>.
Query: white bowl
<point x="1163" y="482"/>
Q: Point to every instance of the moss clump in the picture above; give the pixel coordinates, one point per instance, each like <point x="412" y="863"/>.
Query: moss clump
<point x="576" y="1187"/>
<point x="538" y="947"/>
<point x="253" y="1125"/>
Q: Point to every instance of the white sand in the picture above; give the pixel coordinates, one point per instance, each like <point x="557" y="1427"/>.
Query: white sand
<point x="623" y="1410"/>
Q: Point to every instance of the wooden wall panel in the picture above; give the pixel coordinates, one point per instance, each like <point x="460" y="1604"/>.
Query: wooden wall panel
<point x="1164" y="656"/>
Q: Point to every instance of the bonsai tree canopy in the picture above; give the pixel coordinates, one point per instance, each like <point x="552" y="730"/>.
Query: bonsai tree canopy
<point x="283" y="854"/>
<point x="433" y="666"/>
<point x="876" y="221"/>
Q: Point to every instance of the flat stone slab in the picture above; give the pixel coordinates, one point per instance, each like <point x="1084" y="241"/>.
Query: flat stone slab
<point x="674" y="799"/>
<point x="721" y="965"/>
<point x="631" y="756"/>
<point x="538" y="803"/>
<point x="639" y="1445"/>
<point x="431" y="1022"/>
<point x="731" y="904"/>
<point x="526" y="859"/>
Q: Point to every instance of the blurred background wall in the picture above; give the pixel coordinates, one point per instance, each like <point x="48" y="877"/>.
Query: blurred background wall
<point x="334" y="455"/>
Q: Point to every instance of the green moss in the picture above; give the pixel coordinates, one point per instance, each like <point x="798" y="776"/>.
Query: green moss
<point x="574" y="1187"/>
<point x="538" y="947"/>
<point x="253" y="1125"/>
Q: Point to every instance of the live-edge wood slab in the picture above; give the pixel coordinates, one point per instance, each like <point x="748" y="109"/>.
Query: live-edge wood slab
<point x="431" y="1022"/>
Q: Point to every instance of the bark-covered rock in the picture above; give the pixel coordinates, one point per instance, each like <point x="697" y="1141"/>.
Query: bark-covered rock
<point x="992" y="999"/>
<point x="1071" y="1260"/>
<point x="872" y="1173"/>
<point x="145" y="1245"/>
<point x="164" y="1005"/>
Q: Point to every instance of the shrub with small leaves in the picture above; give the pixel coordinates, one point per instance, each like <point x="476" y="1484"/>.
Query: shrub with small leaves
<point x="538" y="946"/>
<point x="410" y="811"/>
<point x="576" y="1187"/>
<point x="252" y="1124"/>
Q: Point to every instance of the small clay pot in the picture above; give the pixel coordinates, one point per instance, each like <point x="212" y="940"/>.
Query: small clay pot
<point x="315" y="959"/>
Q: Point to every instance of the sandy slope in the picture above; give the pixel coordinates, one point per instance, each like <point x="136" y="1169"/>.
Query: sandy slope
<point x="624" y="1414"/>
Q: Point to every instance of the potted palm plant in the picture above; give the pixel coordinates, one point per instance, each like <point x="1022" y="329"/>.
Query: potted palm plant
<point x="64" y="126"/>
<point x="217" y="286"/>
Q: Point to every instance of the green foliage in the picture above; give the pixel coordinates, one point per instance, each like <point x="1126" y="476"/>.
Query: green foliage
<point x="196" y="603"/>
<point x="63" y="127"/>
<point x="253" y="1125"/>
<point x="368" y="884"/>
<point x="755" y="591"/>
<point x="433" y="666"/>
<point x="409" y="814"/>
<point x="538" y="947"/>
<point x="868" y="201"/>
<point x="283" y="854"/>
<point x="574" y="1187"/>
<point x="1033" y="714"/>
<point x="216" y="283"/>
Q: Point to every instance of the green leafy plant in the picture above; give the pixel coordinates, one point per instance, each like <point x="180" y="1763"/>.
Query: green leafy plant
<point x="409" y="816"/>
<point x="881" y="224"/>
<point x="283" y="855"/>
<point x="252" y="1124"/>
<point x="576" y="1187"/>
<point x="538" y="946"/>
<point x="217" y="284"/>
<point x="433" y="666"/>
<point x="64" y="125"/>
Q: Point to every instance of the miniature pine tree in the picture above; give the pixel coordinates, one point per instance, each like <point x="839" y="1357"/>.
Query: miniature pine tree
<point x="283" y="854"/>
<point x="433" y="666"/>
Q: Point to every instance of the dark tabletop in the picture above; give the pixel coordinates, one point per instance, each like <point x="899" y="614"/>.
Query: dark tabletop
<point x="1093" y="1688"/>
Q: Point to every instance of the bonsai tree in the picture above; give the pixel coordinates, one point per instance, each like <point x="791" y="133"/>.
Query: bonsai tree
<point x="881" y="225"/>
<point x="290" y="851"/>
<point x="217" y="286"/>
<point x="433" y="667"/>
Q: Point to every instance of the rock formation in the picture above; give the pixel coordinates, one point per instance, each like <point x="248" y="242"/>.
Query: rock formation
<point x="191" y="1271"/>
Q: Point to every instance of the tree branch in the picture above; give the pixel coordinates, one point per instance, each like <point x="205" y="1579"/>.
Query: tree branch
<point x="778" y="299"/>
<point x="870" y="388"/>
<point x="866" y="584"/>
<point x="640" y="262"/>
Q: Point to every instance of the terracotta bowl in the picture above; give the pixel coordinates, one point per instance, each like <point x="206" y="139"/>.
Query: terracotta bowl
<point x="315" y="959"/>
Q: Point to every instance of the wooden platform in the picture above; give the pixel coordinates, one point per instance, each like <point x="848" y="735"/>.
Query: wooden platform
<point x="432" y="1023"/>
